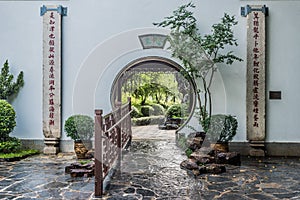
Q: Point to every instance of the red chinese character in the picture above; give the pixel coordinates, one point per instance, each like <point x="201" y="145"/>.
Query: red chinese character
<point x="51" y="88"/>
<point x="255" y="117"/>
<point x="52" y="15"/>
<point x="51" y="82"/>
<point x="51" y="42"/>
<point x="51" y="75"/>
<point x="51" y="115"/>
<point x="51" y="49"/>
<point x="51" y="62"/>
<point x="51" y="56"/>
<point x="256" y="96"/>
<point x="255" y="16"/>
<point x="255" y="83"/>
<point x="51" y="21"/>
<point x="255" y="103"/>
<point x="255" y="56"/>
<point x="255" y="23"/>
<point x="51" y="102"/>
<point x="51" y="36"/>
<point x="255" y="124"/>
<point x="255" y="50"/>
<point x="51" y="95"/>
<point x="51" y="122"/>
<point x="256" y="36"/>
<point x="51" y="69"/>
<point x="256" y="63"/>
<point x="255" y="29"/>
<point x="51" y="109"/>
<point x="255" y="110"/>
<point x="255" y="77"/>
<point x="255" y="89"/>
<point x="52" y="28"/>
<point x="255" y="70"/>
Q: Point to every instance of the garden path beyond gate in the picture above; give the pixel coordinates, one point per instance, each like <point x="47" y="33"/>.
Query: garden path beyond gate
<point x="112" y="134"/>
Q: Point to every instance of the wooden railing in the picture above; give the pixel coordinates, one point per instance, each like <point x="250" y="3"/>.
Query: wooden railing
<point x="112" y="134"/>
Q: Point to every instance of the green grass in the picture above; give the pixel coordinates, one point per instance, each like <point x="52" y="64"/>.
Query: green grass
<point x="20" y="154"/>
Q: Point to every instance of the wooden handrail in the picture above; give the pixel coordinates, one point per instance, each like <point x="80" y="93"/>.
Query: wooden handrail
<point x="109" y="143"/>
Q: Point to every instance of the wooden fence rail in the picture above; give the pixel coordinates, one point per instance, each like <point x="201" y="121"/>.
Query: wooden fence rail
<point x="112" y="134"/>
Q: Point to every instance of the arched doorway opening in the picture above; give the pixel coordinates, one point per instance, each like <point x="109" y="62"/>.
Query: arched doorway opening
<point x="158" y="83"/>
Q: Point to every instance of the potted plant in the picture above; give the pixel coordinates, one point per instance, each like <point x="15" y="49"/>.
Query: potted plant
<point x="200" y="54"/>
<point x="80" y="129"/>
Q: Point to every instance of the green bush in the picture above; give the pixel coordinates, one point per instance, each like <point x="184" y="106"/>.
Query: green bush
<point x="7" y="120"/>
<point x="146" y="111"/>
<point x="12" y="145"/>
<point x="174" y="111"/>
<point x="142" y="121"/>
<point x="158" y="109"/>
<point x="79" y="127"/>
<point x="135" y="112"/>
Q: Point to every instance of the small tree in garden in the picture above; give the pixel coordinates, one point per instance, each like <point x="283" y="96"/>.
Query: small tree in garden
<point x="7" y="85"/>
<point x="200" y="53"/>
<point x="7" y="120"/>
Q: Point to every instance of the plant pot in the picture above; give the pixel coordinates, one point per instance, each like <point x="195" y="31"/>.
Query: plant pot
<point x="80" y="149"/>
<point x="220" y="147"/>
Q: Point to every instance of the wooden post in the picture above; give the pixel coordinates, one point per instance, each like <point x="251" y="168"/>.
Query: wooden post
<point x="119" y="138"/>
<point x="129" y="120"/>
<point x="98" y="154"/>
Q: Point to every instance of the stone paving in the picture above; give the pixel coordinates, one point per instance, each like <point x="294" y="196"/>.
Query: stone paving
<point x="151" y="171"/>
<point x="42" y="177"/>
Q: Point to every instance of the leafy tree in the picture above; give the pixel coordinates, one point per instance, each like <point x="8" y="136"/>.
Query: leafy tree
<point x="200" y="54"/>
<point x="7" y="86"/>
<point x="7" y="120"/>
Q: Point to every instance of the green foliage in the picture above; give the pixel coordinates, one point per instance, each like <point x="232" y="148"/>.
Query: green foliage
<point x="135" y="112"/>
<point x="151" y="87"/>
<point x="199" y="53"/>
<point x="79" y="127"/>
<point x="20" y="154"/>
<point x="7" y="86"/>
<point x="7" y="120"/>
<point x="188" y="152"/>
<point x="146" y="110"/>
<point x="12" y="145"/>
<point x="174" y="111"/>
<point x="142" y="121"/>
<point x="158" y="109"/>
<point x="222" y="128"/>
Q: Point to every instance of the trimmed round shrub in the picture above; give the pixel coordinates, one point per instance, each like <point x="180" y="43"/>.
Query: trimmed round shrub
<point x="146" y="111"/>
<point x="7" y="120"/>
<point x="12" y="145"/>
<point x="135" y="112"/>
<point x="158" y="109"/>
<point x="79" y="127"/>
<point x="174" y="111"/>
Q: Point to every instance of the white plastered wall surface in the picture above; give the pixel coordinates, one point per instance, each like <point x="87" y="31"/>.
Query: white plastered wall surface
<point x="105" y="62"/>
<point x="92" y="22"/>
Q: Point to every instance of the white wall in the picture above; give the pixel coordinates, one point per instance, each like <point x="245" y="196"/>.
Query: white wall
<point x="92" y="22"/>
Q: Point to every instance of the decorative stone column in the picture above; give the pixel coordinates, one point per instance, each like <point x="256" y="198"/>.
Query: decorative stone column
<point x="52" y="16"/>
<point x="256" y="81"/>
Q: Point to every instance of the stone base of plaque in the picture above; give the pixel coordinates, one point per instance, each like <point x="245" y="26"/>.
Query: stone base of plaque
<point x="52" y="146"/>
<point x="257" y="148"/>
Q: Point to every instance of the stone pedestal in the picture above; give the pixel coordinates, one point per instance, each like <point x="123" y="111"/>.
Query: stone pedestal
<point x="52" y="146"/>
<point x="257" y="148"/>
